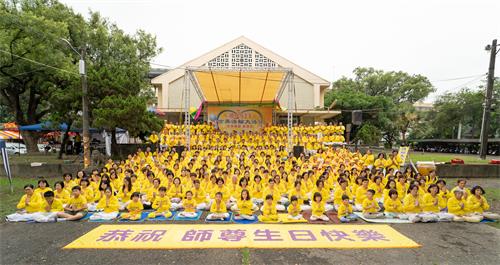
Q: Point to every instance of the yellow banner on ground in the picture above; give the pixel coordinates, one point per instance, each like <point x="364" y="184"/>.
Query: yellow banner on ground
<point x="174" y="236"/>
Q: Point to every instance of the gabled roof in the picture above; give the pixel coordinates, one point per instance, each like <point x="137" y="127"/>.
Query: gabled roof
<point x="205" y="58"/>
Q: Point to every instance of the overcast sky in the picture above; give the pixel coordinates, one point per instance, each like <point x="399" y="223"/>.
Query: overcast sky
<point x="441" y="39"/>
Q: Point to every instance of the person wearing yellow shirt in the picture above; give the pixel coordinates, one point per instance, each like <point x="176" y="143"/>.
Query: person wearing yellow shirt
<point x="200" y="196"/>
<point x="378" y="187"/>
<point x="368" y="159"/>
<point x="339" y="192"/>
<point x="380" y="162"/>
<point x="134" y="208"/>
<point x="370" y="206"/>
<point x="244" y="208"/>
<point x="318" y="208"/>
<point x="300" y="194"/>
<point x="49" y="208"/>
<point x="29" y="204"/>
<point x="431" y="206"/>
<point x="325" y="193"/>
<point x="444" y="193"/>
<point x="393" y="208"/>
<point x="68" y="182"/>
<point x="361" y="194"/>
<point x="218" y="210"/>
<point x="391" y="185"/>
<point x="76" y="208"/>
<point x="345" y="212"/>
<point x="176" y="191"/>
<point x="294" y="211"/>
<point x="86" y="191"/>
<point x="272" y="190"/>
<point x="107" y="206"/>
<point x="412" y="204"/>
<point x="478" y="205"/>
<point x="60" y="192"/>
<point x="402" y="187"/>
<point x="43" y="186"/>
<point x="257" y="190"/>
<point x="189" y="205"/>
<point x="269" y="212"/>
<point x="461" y="185"/>
<point x="161" y="205"/>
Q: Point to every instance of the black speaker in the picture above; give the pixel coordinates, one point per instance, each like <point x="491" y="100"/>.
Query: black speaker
<point x="297" y="150"/>
<point x="179" y="149"/>
<point x="357" y="117"/>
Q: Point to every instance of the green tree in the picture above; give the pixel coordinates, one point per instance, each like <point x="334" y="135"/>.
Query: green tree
<point x="30" y="31"/>
<point x="386" y="99"/>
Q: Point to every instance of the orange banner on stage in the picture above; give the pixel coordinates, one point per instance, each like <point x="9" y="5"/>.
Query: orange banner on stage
<point x="240" y="118"/>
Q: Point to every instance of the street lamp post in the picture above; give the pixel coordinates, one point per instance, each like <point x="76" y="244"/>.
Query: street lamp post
<point x="85" y="104"/>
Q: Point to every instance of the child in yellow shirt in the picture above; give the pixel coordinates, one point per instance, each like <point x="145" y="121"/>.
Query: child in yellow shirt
<point x="189" y="205"/>
<point x="393" y="208"/>
<point x="269" y="212"/>
<point x="318" y="208"/>
<point x="218" y="209"/>
<point x="344" y="212"/>
<point x="244" y="207"/>
<point x="49" y="208"/>
<point x="107" y="206"/>
<point x="294" y="209"/>
<point x="370" y="206"/>
<point x="161" y="204"/>
<point x="76" y="208"/>
<point x="134" y="208"/>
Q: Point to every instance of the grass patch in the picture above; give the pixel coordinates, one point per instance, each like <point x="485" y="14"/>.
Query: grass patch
<point x="245" y="256"/>
<point x="438" y="157"/>
<point x="50" y="158"/>
<point x="493" y="196"/>
<point x="9" y="200"/>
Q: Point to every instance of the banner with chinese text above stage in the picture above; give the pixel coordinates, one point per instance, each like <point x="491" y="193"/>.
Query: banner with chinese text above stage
<point x="229" y="118"/>
<point x="174" y="236"/>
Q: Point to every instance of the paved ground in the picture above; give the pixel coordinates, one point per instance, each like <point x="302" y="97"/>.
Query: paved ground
<point x="443" y="243"/>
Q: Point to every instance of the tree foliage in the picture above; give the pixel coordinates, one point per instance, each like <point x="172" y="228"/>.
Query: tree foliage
<point x="386" y="99"/>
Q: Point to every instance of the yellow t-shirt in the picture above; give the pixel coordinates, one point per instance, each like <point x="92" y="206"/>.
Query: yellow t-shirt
<point x="112" y="205"/>
<point x="135" y="207"/>
<point x="56" y="206"/>
<point x="78" y="203"/>
<point x="245" y="207"/>
<point x="33" y="205"/>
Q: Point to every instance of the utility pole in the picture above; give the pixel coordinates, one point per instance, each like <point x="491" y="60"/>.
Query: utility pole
<point x="85" y="111"/>
<point x="487" y="101"/>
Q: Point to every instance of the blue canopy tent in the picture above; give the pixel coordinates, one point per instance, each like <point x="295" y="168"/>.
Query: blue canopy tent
<point x="47" y="126"/>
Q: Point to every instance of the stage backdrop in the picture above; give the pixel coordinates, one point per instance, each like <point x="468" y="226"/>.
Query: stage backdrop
<point x="229" y="118"/>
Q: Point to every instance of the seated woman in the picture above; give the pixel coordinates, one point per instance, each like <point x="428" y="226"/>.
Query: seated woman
<point x="60" y="192"/>
<point x="189" y="205"/>
<point x="370" y="206"/>
<point x="269" y="212"/>
<point x="218" y="209"/>
<point x="134" y="208"/>
<point x="345" y="213"/>
<point x="29" y="204"/>
<point x="478" y="205"/>
<point x="200" y="196"/>
<point x="432" y="205"/>
<point x="318" y="208"/>
<point x="244" y="207"/>
<point x="107" y="206"/>
<point x="411" y="204"/>
<point x="161" y="204"/>
<point x="393" y="208"/>
<point x="176" y="193"/>
<point x="49" y="208"/>
<point x="457" y="207"/>
<point x="76" y="208"/>
<point x="294" y="211"/>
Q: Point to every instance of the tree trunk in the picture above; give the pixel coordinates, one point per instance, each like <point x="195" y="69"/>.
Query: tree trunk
<point x="62" y="150"/>
<point x="30" y="139"/>
<point x="114" y="144"/>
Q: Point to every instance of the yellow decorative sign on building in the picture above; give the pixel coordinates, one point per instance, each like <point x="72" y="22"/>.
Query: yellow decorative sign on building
<point x="173" y="236"/>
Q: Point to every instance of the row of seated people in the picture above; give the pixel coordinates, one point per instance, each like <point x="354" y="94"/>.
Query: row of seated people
<point x="435" y="204"/>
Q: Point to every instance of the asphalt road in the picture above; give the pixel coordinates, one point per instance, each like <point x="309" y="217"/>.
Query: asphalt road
<point x="442" y="243"/>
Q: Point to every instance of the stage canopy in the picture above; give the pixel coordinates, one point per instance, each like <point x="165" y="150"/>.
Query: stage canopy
<point x="256" y="86"/>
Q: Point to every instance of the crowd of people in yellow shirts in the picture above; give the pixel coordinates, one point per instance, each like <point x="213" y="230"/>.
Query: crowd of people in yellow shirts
<point x="254" y="177"/>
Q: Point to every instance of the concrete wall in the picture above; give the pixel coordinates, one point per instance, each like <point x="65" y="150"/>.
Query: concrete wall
<point x="470" y="171"/>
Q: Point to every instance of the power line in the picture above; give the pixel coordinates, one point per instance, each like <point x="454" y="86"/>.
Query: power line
<point x="39" y="63"/>
<point x="457" y="78"/>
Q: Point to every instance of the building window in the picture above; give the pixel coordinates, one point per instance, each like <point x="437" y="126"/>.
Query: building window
<point x="241" y="56"/>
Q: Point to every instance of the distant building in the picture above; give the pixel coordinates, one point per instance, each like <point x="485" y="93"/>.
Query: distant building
<point x="423" y="106"/>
